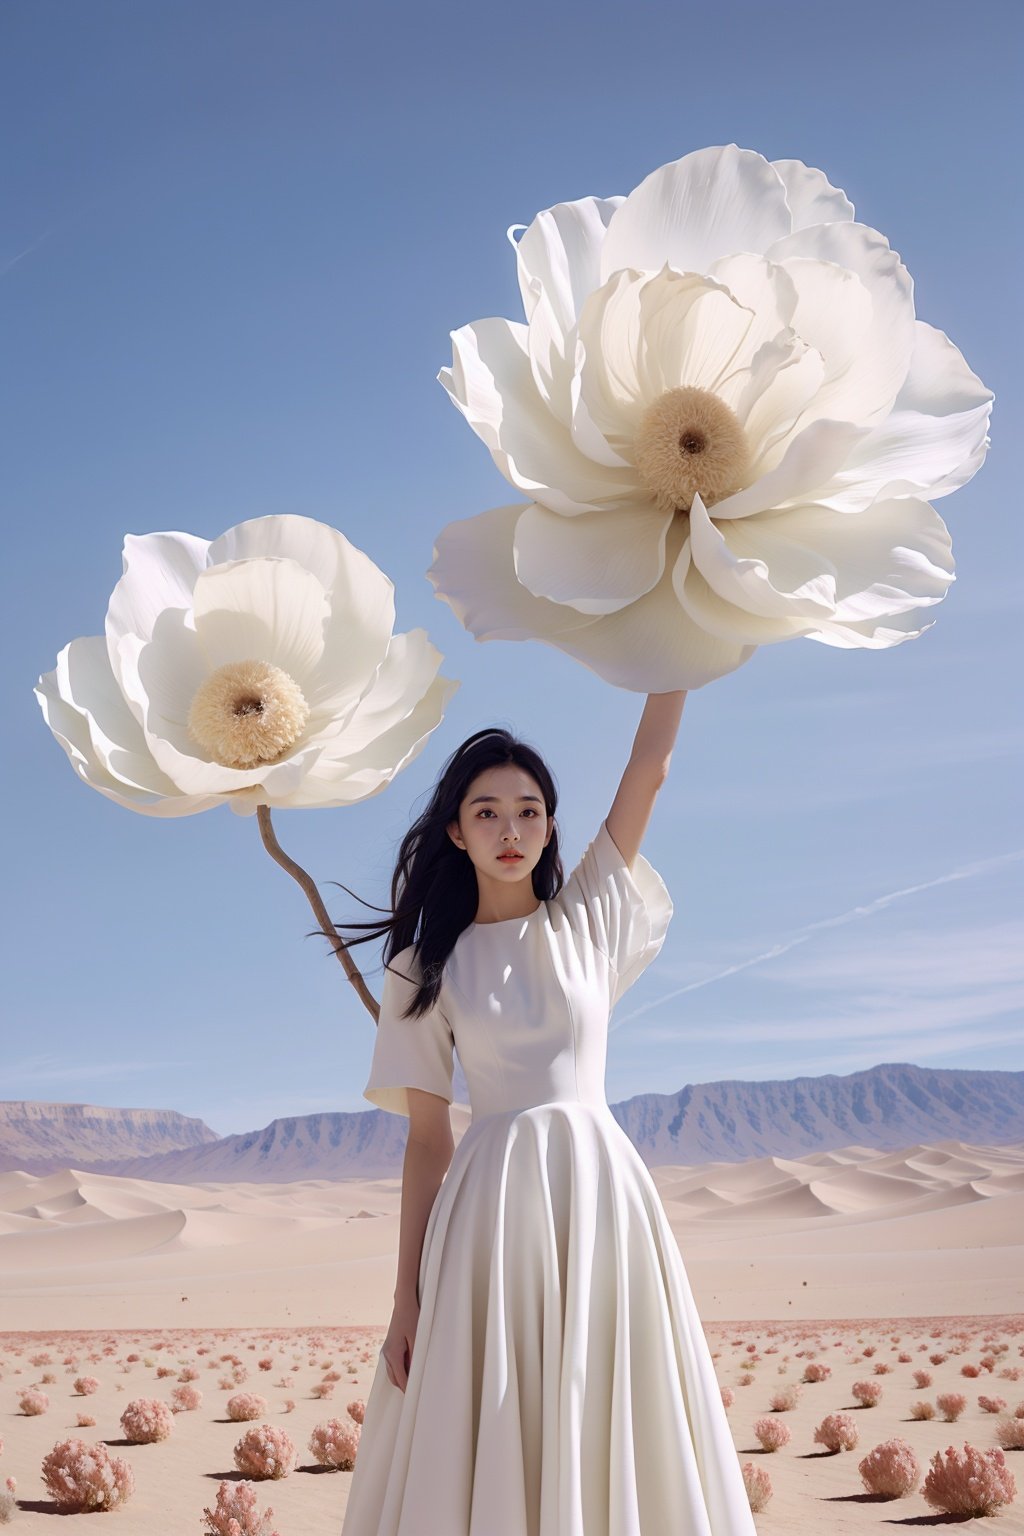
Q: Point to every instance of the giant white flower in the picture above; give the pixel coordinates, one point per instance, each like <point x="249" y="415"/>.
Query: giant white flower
<point x="729" y="423"/>
<point x="256" y="669"/>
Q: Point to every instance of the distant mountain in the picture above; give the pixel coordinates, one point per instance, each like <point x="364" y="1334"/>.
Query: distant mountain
<point x="883" y="1108"/>
<point x="39" y="1137"/>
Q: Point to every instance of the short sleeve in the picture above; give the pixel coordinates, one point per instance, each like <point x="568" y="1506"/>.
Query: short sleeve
<point x="408" y="1053"/>
<point x="624" y="910"/>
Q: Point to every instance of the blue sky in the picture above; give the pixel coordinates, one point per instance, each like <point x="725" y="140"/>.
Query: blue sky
<point x="235" y="240"/>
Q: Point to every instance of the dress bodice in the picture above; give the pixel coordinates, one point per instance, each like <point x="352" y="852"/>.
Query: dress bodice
<point x="526" y="1001"/>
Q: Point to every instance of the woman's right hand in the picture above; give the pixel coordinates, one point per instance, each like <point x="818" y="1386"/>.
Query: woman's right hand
<point x="397" y="1347"/>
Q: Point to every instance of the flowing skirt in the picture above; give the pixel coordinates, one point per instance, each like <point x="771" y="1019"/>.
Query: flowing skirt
<point x="560" y="1382"/>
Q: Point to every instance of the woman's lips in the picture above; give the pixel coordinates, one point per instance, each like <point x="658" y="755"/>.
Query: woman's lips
<point x="509" y="858"/>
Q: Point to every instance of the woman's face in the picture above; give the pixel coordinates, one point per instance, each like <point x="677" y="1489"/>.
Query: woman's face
<point x="503" y="811"/>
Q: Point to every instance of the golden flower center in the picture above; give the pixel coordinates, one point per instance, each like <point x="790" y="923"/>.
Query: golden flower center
<point x="690" y="441"/>
<point x="247" y="712"/>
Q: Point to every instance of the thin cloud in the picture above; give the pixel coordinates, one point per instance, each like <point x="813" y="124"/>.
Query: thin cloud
<point x="52" y="1069"/>
<point x="854" y="914"/>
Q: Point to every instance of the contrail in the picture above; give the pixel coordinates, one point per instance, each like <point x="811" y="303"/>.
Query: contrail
<point x="979" y="867"/>
<point x="27" y="251"/>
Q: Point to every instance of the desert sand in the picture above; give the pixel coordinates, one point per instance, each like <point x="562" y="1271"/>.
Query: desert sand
<point x="914" y="1253"/>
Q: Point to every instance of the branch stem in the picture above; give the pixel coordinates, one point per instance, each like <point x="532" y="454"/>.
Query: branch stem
<point x="316" y="901"/>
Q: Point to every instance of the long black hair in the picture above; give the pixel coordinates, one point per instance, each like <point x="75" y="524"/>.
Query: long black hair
<point x="434" y="889"/>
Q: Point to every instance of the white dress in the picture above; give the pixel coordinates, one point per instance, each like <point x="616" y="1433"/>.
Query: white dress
<point x="560" y="1382"/>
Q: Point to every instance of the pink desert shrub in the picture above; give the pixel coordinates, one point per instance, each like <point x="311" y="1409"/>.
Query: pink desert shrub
<point x="758" y="1485"/>
<point x="772" y="1433"/>
<point x="882" y="1368"/>
<point x="973" y="1482"/>
<point x="785" y="1398"/>
<point x="246" y="1405"/>
<point x="188" y="1373"/>
<point x="815" y="1370"/>
<point x="904" y="1358"/>
<point x="322" y="1389"/>
<point x="85" y="1420"/>
<point x="922" y="1379"/>
<point x="728" y="1397"/>
<point x="289" y="1405"/>
<point x="186" y="1399"/>
<point x="8" y="1502"/>
<point x="890" y="1469"/>
<point x="33" y="1401"/>
<point x="80" y="1477"/>
<point x="146" y="1420"/>
<point x="266" y="1451"/>
<point x="356" y="1410"/>
<point x="991" y="1404"/>
<point x="922" y="1410"/>
<point x="266" y="1364"/>
<point x="335" y="1444"/>
<point x="1010" y="1433"/>
<point x="837" y="1432"/>
<point x="86" y="1384"/>
<point x="867" y="1392"/>
<point x="968" y="1369"/>
<point x="237" y="1514"/>
<point x="951" y="1405"/>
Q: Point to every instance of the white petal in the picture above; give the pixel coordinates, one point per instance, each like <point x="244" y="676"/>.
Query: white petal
<point x="910" y="455"/>
<point x="871" y="634"/>
<point x="695" y="332"/>
<point x="811" y="196"/>
<point x="596" y="563"/>
<point x="783" y="378"/>
<point x="934" y="440"/>
<point x="653" y="645"/>
<point x="641" y="335"/>
<point x="86" y="682"/>
<point x="809" y="462"/>
<point x="760" y="285"/>
<point x="893" y="557"/>
<point x="405" y="675"/>
<point x="362" y="597"/>
<point x="718" y="617"/>
<point x="751" y="563"/>
<point x="491" y="383"/>
<point x="559" y="255"/>
<point x="689" y="213"/>
<point x="171" y="667"/>
<point x="357" y="776"/>
<point x="939" y="382"/>
<point x="473" y="572"/>
<point x="160" y="570"/>
<point x="887" y="344"/>
<point x="557" y="262"/>
<point x="865" y="362"/>
<point x="261" y="609"/>
<point x="71" y="727"/>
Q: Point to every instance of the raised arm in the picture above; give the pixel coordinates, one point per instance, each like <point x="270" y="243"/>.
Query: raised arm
<point x="645" y="772"/>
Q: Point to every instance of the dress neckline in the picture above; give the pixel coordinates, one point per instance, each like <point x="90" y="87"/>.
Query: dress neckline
<point x="501" y="921"/>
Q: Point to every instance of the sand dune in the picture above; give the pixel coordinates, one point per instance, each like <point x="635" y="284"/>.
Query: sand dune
<point x="773" y="1237"/>
<point x="855" y="1257"/>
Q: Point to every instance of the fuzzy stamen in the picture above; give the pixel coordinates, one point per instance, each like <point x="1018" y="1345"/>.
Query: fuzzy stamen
<point x="690" y="441"/>
<point x="247" y="712"/>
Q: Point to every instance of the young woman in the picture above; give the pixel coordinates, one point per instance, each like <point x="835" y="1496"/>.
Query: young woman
<point x="545" y="1372"/>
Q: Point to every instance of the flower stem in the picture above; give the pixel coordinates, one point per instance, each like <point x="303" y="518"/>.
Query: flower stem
<point x="316" y="901"/>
